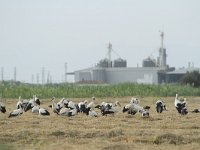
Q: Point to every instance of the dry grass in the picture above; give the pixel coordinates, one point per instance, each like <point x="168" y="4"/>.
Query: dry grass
<point x="160" y="131"/>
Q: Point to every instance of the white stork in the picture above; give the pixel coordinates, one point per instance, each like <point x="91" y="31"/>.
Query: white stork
<point x="82" y="106"/>
<point x="160" y="106"/>
<point x="109" y="108"/>
<point x="16" y="112"/>
<point x="64" y="111"/>
<point x="43" y="112"/>
<point x="133" y="108"/>
<point x="181" y="106"/>
<point x="2" y="107"/>
<point x="91" y="105"/>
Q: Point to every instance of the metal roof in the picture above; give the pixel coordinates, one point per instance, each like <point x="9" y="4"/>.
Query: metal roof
<point x="183" y="70"/>
<point x="122" y="69"/>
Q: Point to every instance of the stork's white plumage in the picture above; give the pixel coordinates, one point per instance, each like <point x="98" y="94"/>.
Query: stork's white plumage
<point x="36" y="99"/>
<point x="16" y="112"/>
<point x="91" y="105"/>
<point x="135" y="100"/>
<point x="181" y="106"/>
<point x="43" y="112"/>
<point x="35" y="109"/>
<point x="62" y="103"/>
<point x="82" y="106"/>
<point x="111" y="104"/>
<point x="72" y="112"/>
<point x="114" y="109"/>
<point x="64" y="111"/>
<point x="140" y="109"/>
<point x="54" y="106"/>
<point x="19" y="103"/>
<point x="2" y="107"/>
<point x="160" y="106"/>
<point x="82" y="103"/>
<point x="109" y="108"/>
<point x="133" y="108"/>
<point x="71" y="105"/>
<point x="130" y="109"/>
<point x="92" y="113"/>
<point x="31" y="103"/>
<point x="177" y="101"/>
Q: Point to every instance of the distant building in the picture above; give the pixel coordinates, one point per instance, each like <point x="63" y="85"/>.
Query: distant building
<point x="149" y="62"/>
<point x="146" y="75"/>
<point x="114" y="72"/>
<point x="176" y="75"/>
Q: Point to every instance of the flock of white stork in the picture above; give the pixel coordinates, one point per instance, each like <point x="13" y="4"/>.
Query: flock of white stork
<point x="68" y="108"/>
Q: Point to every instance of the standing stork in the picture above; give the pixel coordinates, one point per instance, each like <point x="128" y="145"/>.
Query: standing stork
<point x="31" y="103"/>
<point x="91" y="105"/>
<point x="181" y="106"/>
<point x="160" y="106"/>
<point x="35" y="108"/>
<point x="55" y="107"/>
<point x="82" y="106"/>
<point x="2" y="107"/>
<point x="135" y="100"/>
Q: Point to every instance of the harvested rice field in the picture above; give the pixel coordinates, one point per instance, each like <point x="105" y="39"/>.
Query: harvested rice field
<point x="168" y="130"/>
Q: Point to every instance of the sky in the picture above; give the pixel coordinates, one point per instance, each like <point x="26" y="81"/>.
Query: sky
<point x="36" y="34"/>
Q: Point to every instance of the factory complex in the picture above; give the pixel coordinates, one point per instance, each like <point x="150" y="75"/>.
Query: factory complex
<point x="153" y="71"/>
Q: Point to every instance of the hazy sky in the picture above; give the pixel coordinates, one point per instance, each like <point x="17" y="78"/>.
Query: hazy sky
<point x="48" y="33"/>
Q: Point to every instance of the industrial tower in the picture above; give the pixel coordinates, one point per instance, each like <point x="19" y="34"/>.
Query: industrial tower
<point x="109" y="55"/>
<point x="162" y="60"/>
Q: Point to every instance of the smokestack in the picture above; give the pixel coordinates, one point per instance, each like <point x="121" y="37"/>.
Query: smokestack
<point x="162" y="53"/>
<point x="109" y="55"/>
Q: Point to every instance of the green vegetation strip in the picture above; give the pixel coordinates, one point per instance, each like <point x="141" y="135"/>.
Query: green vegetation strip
<point x="14" y="90"/>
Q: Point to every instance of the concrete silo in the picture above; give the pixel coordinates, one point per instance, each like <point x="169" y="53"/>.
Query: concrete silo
<point x="149" y="62"/>
<point x="119" y="63"/>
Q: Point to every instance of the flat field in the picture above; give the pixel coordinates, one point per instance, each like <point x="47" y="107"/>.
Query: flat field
<point x="168" y="130"/>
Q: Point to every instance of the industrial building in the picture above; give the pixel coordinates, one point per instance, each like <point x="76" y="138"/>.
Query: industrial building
<point x="116" y="71"/>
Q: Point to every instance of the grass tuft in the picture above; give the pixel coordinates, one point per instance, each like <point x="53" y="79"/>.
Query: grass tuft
<point x="6" y="147"/>
<point x="169" y="138"/>
<point x="114" y="133"/>
<point x="58" y="133"/>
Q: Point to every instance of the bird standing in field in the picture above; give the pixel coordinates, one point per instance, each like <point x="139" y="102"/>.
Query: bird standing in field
<point x="82" y="106"/>
<point x="181" y="106"/>
<point x="160" y="106"/>
<point x="91" y="105"/>
<point x="2" y="108"/>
